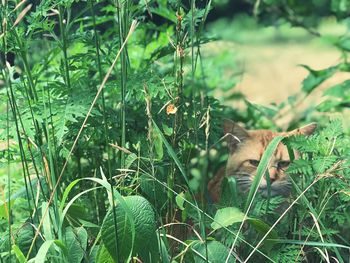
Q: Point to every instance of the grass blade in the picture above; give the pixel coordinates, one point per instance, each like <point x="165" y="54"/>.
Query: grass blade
<point x="261" y="170"/>
<point x="308" y="243"/>
<point x="171" y="152"/>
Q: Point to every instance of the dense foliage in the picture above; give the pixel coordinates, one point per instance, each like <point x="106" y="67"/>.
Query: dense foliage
<point x="110" y="133"/>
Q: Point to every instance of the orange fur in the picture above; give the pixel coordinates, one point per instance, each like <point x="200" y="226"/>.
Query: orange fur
<point x="245" y="151"/>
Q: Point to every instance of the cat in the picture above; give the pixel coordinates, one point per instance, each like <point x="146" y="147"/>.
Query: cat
<point x="246" y="148"/>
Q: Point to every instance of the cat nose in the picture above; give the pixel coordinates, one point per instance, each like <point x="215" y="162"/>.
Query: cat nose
<point x="273" y="174"/>
<point x="272" y="179"/>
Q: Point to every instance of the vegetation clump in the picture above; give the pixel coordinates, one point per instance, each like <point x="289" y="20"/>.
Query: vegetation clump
<point x="111" y="128"/>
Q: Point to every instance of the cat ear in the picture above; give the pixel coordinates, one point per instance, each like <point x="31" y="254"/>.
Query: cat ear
<point x="234" y="134"/>
<point x="305" y="130"/>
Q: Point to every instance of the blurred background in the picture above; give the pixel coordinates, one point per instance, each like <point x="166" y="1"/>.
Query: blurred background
<point x="266" y="43"/>
<point x="269" y="57"/>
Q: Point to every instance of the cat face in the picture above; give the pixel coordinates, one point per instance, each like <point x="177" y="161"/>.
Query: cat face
<point x="246" y="149"/>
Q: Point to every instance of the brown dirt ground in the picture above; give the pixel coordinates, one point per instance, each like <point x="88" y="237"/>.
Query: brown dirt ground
<point x="271" y="73"/>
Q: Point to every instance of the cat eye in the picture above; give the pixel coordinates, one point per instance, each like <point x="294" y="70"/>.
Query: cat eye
<point x="283" y="164"/>
<point x="254" y="162"/>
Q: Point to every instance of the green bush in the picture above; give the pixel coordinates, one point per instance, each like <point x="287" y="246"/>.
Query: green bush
<point x="111" y="134"/>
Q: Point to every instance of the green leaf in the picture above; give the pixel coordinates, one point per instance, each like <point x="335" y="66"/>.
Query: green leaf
<point x="47" y="226"/>
<point x="4" y="208"/>
<point x="164" y="12"/>
<point x="154" y="191"/>
<point x="144" y="221"/>
<point x="158" y="144"/>
<point x="103" y="255"/>
<point x="228" y="191"/>
<point x="24" y="238"/>
<point x="180" y="200"/>
<point x="44" y="250"/>
<point x="66" y="193"/>
<point x="316" y="77"/>
<point x="168" y="131"/>
<point x="19" y="254"/>
<point x="262" y="168"/>
<point x="341" y="90"/>
<point x="130" y="160"/>
<point x="227" y="216"/>
<point x="76" y="242"/>
<point x="171" y="153"/>
<point x="262" y="228"/>
<point x="64" y="209"/>
<point x="217" y="252"/>
<point x="344" y="43"/>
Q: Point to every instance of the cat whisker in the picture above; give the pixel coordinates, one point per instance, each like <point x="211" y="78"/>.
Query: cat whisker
<point x="243" y="178"/>
<point x="242" y="174"/>
<point x="244" y="181"/>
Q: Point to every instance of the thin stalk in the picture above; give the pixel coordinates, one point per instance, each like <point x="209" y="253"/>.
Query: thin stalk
<point x="204" y="96"/>
<point x="32" y="91"/>
<point x="54" y="158"/>
<point x="22" y="154"/>
<point x="122" y="13"/>
<point x="64" y="47"/>
<point x="27" y="139"/>
<point x="31" y="96"/>
<point x="106" y="137"/>
<point x="16" y="115"/>
<point x="193" y="70"/>
<point x="194" y="112"/>
<point x="132" y="28"/>
<point x="177" y="122"/>
<point x="6" y="77"/>
<point x="50" y="174"/>
<point x="151" y="145"/>
<point x="8" y="177"/>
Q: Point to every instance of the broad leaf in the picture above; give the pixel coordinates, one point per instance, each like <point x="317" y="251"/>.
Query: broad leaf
<point x="76" y="242"/>
<point x="217" y="252"/>
<point x="103" y="255"/>
<point x="145" y="229"/>
<point x="227" y="216"/>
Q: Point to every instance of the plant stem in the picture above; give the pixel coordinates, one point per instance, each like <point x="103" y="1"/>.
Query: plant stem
<point x="122" y="12"/>
<point x="106" y="135"/>
<point x="64" y="47"/>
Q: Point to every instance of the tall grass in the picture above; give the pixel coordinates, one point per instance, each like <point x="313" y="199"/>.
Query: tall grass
<point x="82" y="107"/>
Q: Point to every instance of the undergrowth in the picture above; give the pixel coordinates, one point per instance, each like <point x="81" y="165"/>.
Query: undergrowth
<point x="110" y="133"/>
